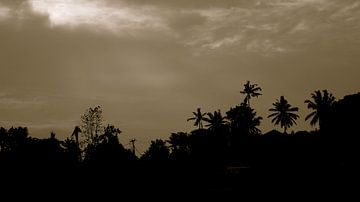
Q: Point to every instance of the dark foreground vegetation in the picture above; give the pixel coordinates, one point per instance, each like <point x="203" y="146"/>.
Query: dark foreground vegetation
<point x="221" y="154"/>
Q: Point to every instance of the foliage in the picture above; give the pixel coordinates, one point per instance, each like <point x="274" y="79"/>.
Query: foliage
<point x="283" y="113"/>
<point x="243" y="120"/>
<point x="227" y="142"/>
<point x="198" y="118"/>
<point x="215" y="120"/>
<point x="158" y="151"/>
<point x="92" y="125"/>
<point x="250" y="90"/>
<point x="321" y="104"/>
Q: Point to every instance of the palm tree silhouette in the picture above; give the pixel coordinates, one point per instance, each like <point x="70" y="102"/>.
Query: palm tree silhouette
<point x="215" y="120"/>
<point x="250" y="90"/>
<point x="243" y="119"/>
<point x="198" y="117"/>
<point x="283" y="114"/>
<point x="321" y="106"/>
<point x="75" y="133"/>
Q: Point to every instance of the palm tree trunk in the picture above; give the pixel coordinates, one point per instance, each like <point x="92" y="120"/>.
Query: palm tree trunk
<point x="77" y="139"/>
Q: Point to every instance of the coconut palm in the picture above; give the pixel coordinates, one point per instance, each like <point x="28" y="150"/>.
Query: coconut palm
<point x="243" y="119"/>
<point x="215" y="120"/>
<point x="198" y="117"/>
<point x="321" y="105"/>
<point x="250" y="90"/>
<point x="284" y="114"/>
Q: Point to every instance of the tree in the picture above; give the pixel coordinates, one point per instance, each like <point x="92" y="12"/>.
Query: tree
<point x="3" y="139"/>
<point x="72" y="150"/>
<point x="284" y="114"/>
<point x="215" y="120"/>
<point x="17" y="137"/>
<point x="158" y="151"/>
<point x="13" y="139"/>
<point x="198" y="117"/>
<point x="321" y="105"/>
<point x="179" y="141"/>
<point x="110" y="135"/>
<point x="109" y="152"/>
<point x="250" y="90"/>
<point x="243" y="119"/>
<point x="92" y="125"/>
<point x="75" y="133"/>
<point x="179" y="144"/>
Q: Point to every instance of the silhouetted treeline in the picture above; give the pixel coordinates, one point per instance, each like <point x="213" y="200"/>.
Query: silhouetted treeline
<point x="220" y="150"/>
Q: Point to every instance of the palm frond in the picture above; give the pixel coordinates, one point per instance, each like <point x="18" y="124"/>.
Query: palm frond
<point x="310" y="115"/>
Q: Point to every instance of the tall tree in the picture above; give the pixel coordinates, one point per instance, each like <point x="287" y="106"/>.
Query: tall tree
<point x="321" y="105"/>
<point x="243" y="119"/>
<point x="110" y="135"/>
<point x="283" y="113"/>
<point x="92" y="125"/>
<point x="215" y="120"/>
<point x="250" y="90"/>
<point x="198" y="117"/>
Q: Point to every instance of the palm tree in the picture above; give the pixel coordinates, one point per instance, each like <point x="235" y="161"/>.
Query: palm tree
<point x="250" y="90"/>
<point x="283" y="114"/>
<point x="321" y="106"/>
<point x="243" y="119"/>
<point x="215" y="120"/>
<point x="198" y="117"/>
<point x="75" y="133"/>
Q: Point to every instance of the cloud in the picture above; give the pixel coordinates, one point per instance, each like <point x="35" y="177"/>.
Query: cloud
<point x="186" y="4"/>
<point x="98" y="16"/>
<point x="204" y="25"/>
<point x="223" y="42"/>
<point x="269" y="27"/>
<point x="4" y="101"/>
<point x="4" y="12"/>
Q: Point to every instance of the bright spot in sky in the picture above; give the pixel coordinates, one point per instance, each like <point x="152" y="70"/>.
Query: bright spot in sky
<point x="4" y="12"/>
<point x="94" y="13"/>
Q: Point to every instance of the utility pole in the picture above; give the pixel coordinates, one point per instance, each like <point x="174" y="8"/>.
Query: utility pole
<point x="132" y="141"/>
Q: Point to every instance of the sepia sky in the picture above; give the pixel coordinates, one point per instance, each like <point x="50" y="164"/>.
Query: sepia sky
<point x="150" y="63"/>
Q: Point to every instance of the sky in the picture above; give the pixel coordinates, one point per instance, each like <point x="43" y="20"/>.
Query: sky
<point x="150" y="63"/>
